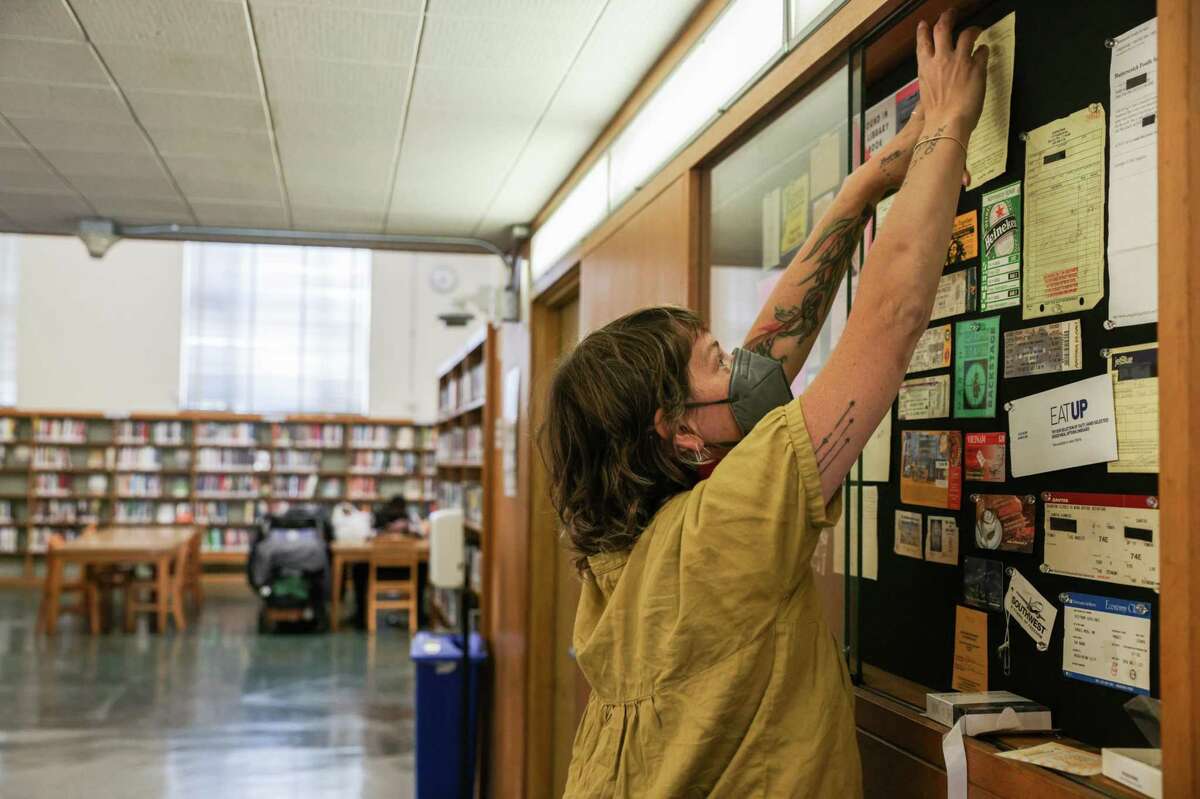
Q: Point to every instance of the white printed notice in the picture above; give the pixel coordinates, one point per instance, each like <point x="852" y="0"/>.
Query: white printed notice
<point x="1072" y="425"/>
<point x="1133" y="182"/>
<point x="1032" y="611"/>
<point x="870" y="534"/>
<point x="1106" y="641"/>
<point x="1112" y="538"/>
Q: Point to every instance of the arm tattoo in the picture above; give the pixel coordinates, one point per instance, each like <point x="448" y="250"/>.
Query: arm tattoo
<point x="829" y="447"/>
<point x="924" y="149"/>
<point x="833" y="252"/>
<point x="886" y="164"/>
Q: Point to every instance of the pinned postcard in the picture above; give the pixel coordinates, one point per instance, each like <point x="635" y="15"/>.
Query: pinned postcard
<point x="1106" y="641"/>
<point x="964" y="240"/>
<point x="1072" y="425"/>
<point x="907" y="541"/>
<point x="941" y="540"/>
<point x="975" y="368"/>
<point x="985" y="457"/>
<point x="1000" y="267"/>
<point x="870" y="535"/>
<point x="933" y="350"/>
<point x="970" y="673"/>
<point x="983" y="583"/>
<point x="1043" y="350"/>
<point x="957" y="293"/>
<point x="924" y="398"/>
<point x="1033" y="612"/>
<point x="795" y="214"/>
<point x="1108" y="537"/>
<point x="1004" y="521"/>
<point x="1134" y="372"/>
<point x="931" y="468"/>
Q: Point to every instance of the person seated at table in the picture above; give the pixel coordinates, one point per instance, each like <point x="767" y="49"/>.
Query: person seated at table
<point x="392" y="517"/>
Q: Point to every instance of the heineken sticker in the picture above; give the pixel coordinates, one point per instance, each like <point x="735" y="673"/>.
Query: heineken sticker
<point x="1000" y="271"/>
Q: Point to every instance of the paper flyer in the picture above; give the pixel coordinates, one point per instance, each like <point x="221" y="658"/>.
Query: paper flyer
<point x="1134" y="372"/>
<point x="964" y="240"/>
<point x="931" y="468"/>
<point x="889" y="115"/>
<point x="957" y="293"/>
<point x="870" y="534"/>
<point x="1004" y="521"/>
<point x="795" y="214"/>
<point x="983" y="583"/>
<point x="825" y="163"/>
<point x="1112" y="538"/>
<point x="1059" y="757"/>
<point x="941" y="540"/>
<point x="1032" y="611"/>
<point x="1063" y="260"/>
<point x="933" y="350"/>
<point x="985" y="457"/>
<point x="1043" y="350"/>
<point x="1072" y="425"/>
<point x="770" y="229"/>
<point x="1000" y="266"/>
<point x="877" y="454"/>
<point x="970" y="673"/>
<point x="907" y="541"/>
<point x="975" y="368"/>
<point x="1106" y="641"/>
<point x="987" y="152"/>
<point x="924" y="398"/>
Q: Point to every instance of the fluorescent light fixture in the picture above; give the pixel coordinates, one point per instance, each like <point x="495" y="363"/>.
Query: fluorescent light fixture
<point x="584" y="208"/>
<point x="743" y="40"/>
<point x="808" y="15"/>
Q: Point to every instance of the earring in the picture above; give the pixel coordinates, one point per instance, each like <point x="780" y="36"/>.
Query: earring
<point x="696" y="457"/>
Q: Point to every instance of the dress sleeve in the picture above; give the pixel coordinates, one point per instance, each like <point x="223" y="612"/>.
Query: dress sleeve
<point x="750" y="529"/>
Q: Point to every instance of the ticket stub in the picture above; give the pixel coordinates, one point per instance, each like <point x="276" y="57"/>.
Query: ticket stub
<point x="933" y="350"/>
<point x="985" y="456"/>
<point x="925" y="398"/>
<point x="1000" y="266"/>
<point x="1043" y="350"/>
<point x="957" y="293"/>
<point x="1106" y="641"/>
<point x="907" y="540"/>
<point x="1112" y="538"/>
<point x="964" y="241"/>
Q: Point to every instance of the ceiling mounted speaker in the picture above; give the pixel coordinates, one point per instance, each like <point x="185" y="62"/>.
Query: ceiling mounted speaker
<point x="98" y="235"/>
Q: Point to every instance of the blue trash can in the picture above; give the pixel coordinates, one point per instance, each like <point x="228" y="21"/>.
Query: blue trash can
<point x="438" y="661"/>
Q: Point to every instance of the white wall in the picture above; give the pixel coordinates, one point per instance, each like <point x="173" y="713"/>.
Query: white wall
<point x="104" y="335"/>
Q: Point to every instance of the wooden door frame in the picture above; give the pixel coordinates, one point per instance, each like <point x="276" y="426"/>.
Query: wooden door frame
<point x="545" y="336"/>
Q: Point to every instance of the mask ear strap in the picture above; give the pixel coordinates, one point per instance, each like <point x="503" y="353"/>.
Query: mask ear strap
<point x="706" y="404"/>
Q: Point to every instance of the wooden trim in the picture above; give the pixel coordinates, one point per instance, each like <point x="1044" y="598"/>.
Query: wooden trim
<point x="1179" y="400"/>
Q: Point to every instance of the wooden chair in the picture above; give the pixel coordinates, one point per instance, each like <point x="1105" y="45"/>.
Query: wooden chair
<point x="194" y="572"/>
<point x="161" y="593"/>
<point x="55" y="586"/>
<point x="391" y="552"/>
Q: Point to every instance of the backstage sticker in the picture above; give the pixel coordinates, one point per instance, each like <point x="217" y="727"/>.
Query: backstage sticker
<point x="1033" y="612"/>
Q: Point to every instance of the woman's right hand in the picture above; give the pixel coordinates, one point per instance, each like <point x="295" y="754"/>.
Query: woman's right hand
<point x="953" y="76"/>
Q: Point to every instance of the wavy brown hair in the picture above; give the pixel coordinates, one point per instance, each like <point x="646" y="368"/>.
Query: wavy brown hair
<point x="609" y="469"/>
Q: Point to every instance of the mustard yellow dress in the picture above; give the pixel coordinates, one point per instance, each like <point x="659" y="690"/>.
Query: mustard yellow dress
<point x="712" y="671"/>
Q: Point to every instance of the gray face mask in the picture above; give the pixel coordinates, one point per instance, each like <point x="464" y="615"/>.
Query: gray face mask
<point x="757" y="386"/>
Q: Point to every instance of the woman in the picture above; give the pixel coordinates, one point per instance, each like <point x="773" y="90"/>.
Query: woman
<point x="712" y="673"/>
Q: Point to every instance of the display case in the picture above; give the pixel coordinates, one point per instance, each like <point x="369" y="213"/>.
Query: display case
<point x="940" y="516"/>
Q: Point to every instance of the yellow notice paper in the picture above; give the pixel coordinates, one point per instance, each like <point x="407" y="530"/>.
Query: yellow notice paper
<point x="1056" y="756"/>
<point x="825" y="164"/>
<point x="987" y="153"/>
<point x="970" y="651"/>
<point x="1064" y="215"/>
<point x="795" y="214"/>
<point x="1134" y="373"/>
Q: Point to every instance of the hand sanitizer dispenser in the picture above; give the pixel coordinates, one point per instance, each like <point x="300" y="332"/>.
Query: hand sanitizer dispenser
<point x="446" y="561"/>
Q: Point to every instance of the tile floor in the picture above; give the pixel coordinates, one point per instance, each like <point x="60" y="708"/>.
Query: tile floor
<point x="219" y="711"/>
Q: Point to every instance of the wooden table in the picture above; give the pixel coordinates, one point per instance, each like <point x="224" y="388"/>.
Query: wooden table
<point x="347" y="552"/>
<point x="158" y="546"/>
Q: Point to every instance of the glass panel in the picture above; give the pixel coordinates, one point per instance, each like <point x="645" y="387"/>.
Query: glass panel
<point x="9" y="266"/>
<point x="765" y="197"/>
<point x="805" y="16"/>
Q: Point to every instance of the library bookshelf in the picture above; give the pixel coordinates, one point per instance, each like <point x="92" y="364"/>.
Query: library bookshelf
<point x="218" y="472"/>
<point x="467" y="399"/>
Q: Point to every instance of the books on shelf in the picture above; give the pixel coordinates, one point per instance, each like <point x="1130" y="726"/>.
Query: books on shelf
<point x="210" y="459"/>
<point x="66" y="511"/>
<point x="8" y="540"/>
<point x="8" y="430"/>
<point x="150" y="512"/>
<point x="6" y="511"/>
<point x="374" y="436"/>
<point x="163" y="433"/>
<point x="60" y="431"/>
<point x="152" y="459"/>
<point x="57" y="484"/>
<point x="226" y="434"/>
<point x="224" y="539"/>
<point x="311" y="436"/>
<point x="294" y="460"/>
<point x="239" y="512"/>
<point x="227" y="485"/>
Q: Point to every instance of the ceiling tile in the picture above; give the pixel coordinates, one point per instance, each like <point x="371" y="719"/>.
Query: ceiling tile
<point x="157" y="188"/>
<point x="335" y="81"/>
<point x="81" y="162"/>
<point x="97" y="137"/>
<point x="37" y="19"/>
<point x="181" y="70"/>
<point x="58" y="211"/>
<point x="239" y="214"/>
<point x="388" y="6"/>
<point x="153" y="209"/>
<point x="547" y="10"/>
<point x="334" y="33"/>
<point x="193" y="26"/>
<point x="50" y="62"/>
<point x="179" y="109"/>
<point x="238" y="145"/>
<point x="22" y="170"/>
<point x="483" y="43"/>
<point x="318" y="217"/>
<point x="482" y="91"/>
<point x="90" y="104"/>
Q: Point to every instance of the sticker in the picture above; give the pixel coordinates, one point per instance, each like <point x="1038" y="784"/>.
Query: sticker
<point x="1000" y="267"/>
<point x="957" y="293"/>
<point x="1033" y="612"/>
<point x="1004" y="521"/>
<point x="941" y="540"/>
<point x="983" y="583"/>
<point x="1108" y="537"/>
<point x="985" y="457"/>
<point x="908" y="534"/>
<point x="1043" y="350"/>
<point x="975" y="366"/>
<point x="1106" y="641"/>
<point x="964" y="241"/>
<point x="933" y="350"/>
<point x="931" y="468"/>
<point x="925" y="398"/>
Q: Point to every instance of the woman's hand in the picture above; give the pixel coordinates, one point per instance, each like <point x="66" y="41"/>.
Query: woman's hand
<point x="953" y="77"/>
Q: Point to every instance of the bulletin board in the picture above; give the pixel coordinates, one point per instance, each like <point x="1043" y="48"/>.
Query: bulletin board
<point x="906" y="618"/>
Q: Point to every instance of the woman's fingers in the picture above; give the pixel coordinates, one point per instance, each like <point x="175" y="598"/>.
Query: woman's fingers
<point x="924" y="42"/>
<point x="980" y="59"/>
<point x="966" y="42"/>
<point x="942" y="42"/>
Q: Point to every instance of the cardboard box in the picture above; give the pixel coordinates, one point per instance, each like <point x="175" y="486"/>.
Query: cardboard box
<point x="988" y="711"/>
<point x="1139" y="769"/>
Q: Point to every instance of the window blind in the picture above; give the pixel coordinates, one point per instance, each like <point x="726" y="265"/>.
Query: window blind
<point x="275" y="329"/>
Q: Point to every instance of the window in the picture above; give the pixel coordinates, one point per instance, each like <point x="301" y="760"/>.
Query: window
<point x="275" y="329"/>
<point x="8" y="320"/>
